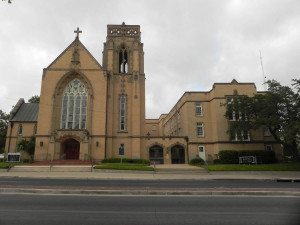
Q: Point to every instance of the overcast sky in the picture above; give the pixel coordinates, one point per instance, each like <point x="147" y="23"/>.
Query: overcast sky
<point x="188" y="45"/>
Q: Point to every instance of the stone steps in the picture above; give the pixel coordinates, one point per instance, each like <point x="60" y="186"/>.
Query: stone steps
<point x="52" y="169"/>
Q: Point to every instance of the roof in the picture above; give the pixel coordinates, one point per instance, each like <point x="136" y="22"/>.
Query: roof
<point x="28" y="112"/>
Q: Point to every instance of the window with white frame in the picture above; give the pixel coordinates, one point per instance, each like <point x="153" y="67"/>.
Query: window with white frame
<point x="240" y="135"/>
<point x="198" y="109"/>
<point x="200" y="130"/>
<point x="201" y="149"/>
<point x="123" y="113"/>
<point x="74" y="106"/>
<point x="234" y="114"/>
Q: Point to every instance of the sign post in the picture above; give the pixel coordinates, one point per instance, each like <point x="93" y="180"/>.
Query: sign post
<point x="121" y="151"/>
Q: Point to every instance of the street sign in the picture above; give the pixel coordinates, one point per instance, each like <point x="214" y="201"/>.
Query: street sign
<point x="121" y="150"/>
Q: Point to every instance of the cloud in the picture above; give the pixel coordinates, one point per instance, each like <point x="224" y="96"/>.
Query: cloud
<point x="188" y="45"/>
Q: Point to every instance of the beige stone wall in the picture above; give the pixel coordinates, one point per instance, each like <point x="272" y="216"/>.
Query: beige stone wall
<point x="13" y="138"/>
<point x="215" y="124"/>
<point x="55" y="78"/>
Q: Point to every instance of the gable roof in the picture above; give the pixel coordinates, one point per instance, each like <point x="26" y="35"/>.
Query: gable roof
<point x="28" y="112"/>
<point x="80" y="43"/>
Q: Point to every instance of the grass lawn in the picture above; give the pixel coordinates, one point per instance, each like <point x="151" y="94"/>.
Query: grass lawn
<point x="124" y="166"/>
<point x="259" y="167"/>
<point x="5" y="165"/>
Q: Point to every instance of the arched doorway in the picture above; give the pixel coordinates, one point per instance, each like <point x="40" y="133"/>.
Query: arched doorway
<point x="71" y="149"/>
<point x="177" y="154"/>
<point x="156" y="154"/>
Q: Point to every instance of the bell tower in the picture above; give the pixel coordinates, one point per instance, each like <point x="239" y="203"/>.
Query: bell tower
<point x="123" y="63"/>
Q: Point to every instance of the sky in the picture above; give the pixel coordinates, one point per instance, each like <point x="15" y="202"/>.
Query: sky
<point x="189" y="45"/>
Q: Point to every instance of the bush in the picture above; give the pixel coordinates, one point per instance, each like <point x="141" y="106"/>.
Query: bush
<point x="229" y="157"/>
<point x="27" y="160"/>
<point x="125" y="160"/>
<point x="217" y="161"/>
<point x="232" y="157"/>
<point x="196" y="161"/>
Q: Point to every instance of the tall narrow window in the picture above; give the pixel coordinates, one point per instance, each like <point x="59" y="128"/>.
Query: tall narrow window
<point x="20" y="129"/>
<point x="198" y="109"/>
<point x="74" y="106"/>
<point x="200" y="130"/>
<point x="34" y="129"/>
<point x="123" y="113"/>
<point x="123" y="61"/>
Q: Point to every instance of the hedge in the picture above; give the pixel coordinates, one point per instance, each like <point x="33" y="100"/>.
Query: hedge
<point x="196" y="161"/>
<point x="126" y="160"/>
<point x="232" y="156"/>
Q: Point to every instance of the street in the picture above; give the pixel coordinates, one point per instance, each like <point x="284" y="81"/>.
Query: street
<point x="16" y="209"/>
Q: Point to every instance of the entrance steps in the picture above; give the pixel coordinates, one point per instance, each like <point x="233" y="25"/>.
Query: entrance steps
<point x="50" y="169"/>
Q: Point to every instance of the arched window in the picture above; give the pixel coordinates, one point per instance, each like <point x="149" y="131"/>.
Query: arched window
<point x="123" y="61"/>
<point x="74" y="104"/>
<point x="123" y="113"/>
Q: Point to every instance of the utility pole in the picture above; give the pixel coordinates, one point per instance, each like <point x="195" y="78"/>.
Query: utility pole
<point x="263" y="72"/>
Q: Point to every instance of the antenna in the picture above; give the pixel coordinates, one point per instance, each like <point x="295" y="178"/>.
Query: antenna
<point x="263" y="72"/>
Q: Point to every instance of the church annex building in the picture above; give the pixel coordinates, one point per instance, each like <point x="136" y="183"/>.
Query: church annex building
<point x="91" y="110"/>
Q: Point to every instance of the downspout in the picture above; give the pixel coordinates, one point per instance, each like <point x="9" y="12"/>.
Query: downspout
<point x="187" y="148"/>
<point x="11" y="126"/>
<point x="106" y="106"/>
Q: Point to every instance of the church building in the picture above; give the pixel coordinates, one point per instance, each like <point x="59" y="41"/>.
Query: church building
<point x="88" y="110"/>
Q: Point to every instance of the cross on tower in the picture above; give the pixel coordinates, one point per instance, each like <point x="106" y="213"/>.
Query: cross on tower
<point x="77" y="32"/>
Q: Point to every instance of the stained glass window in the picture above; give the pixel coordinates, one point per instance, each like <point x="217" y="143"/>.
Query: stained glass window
<point x="74" y="106"/>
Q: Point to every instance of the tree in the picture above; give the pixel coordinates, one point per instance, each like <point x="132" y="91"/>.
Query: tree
<point x="27" y="146"/>
<point x="34" y="99"/>
<point x="3" y="129"/>
<point x="278" y="110"/>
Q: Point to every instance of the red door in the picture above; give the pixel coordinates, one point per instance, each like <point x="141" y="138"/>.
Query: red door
<point x="72" y="149"/>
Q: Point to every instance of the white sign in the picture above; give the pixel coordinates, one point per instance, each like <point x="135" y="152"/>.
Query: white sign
<point x="13" y="157"/>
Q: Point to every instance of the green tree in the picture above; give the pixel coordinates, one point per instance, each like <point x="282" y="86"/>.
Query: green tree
<point x="3" y="129"/>
<point x="9" y="1"/>
<point x="34" y="99"/>
<point x="27" y="146"/>
<point x="278" y="110"/>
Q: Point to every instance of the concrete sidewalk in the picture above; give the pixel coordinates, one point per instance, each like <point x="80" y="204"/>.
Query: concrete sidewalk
<point x="144" y="175"/>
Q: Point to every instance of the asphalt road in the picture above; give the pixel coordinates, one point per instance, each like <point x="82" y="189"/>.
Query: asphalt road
<point x="148" y="210"/>
<point x="21" y="182"/>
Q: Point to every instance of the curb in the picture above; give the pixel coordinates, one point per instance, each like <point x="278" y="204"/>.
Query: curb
<point x="148" y="192"/>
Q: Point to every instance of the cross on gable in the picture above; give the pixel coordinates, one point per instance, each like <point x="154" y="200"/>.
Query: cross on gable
<point x="77" y="32"/>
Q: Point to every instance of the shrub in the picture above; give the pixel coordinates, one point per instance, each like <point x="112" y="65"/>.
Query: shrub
<point x="126" y="160"/>
<point x="196" y="161"/>
<point x="217" y="161"/>
<point x="27" y="160"/>
<point x="229" y="157"/>
<point x="232" y="157"/>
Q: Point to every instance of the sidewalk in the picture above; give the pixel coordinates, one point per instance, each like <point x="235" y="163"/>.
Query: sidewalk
<point x="144" y="175"/>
